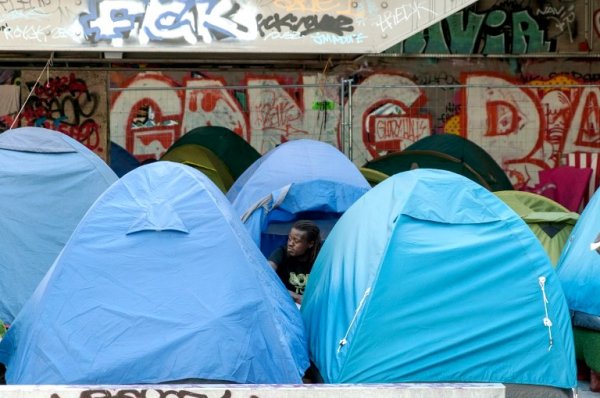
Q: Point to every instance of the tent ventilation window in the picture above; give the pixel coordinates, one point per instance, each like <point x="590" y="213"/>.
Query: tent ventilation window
<point x="344" y="341"/>
<point x="547" y="321"/>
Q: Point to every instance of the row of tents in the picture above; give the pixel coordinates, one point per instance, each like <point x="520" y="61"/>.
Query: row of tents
<point x="161" y="275"/>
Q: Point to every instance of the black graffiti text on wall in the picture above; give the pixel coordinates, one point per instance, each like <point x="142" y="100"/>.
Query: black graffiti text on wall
<point x="148" y="393"/>
<point x="305" y="25"/>
<point x="65" y="104"/>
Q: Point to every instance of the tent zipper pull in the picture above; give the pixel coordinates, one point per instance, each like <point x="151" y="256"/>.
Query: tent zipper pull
<point x="344" y="341"/>
<point x="547" y="321"/>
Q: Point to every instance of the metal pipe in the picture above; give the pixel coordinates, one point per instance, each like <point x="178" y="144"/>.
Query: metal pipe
<point x="350" y="121"/>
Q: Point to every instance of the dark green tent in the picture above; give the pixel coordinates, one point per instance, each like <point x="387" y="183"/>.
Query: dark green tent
<point x="448" y="152"/>
<point x="397" y="162"/>
<point x="233" y="150"/>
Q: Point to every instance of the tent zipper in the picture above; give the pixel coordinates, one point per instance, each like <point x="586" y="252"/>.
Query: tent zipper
<point x="344" y="341"/>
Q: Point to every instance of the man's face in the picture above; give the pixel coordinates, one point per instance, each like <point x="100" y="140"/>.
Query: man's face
<point x="297" y="243"/>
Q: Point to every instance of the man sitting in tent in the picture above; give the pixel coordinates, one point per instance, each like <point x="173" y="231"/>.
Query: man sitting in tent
<point x="293" y="261"/>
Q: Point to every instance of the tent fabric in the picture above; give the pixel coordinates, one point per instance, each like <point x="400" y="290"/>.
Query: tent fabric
<point x="579" y="266"/>
<point x="205" y="161"/>
<point x="374" y="177"/>
<point x="447" y="152"/>
<point x="469" y="153"/>
<point x="47" y="182"/>
<point x="121" y="161"/>
<point x="405" y="160"/>
<point x="430" y="277"/>
<point x="298" y="179"/>
<point x="232" y="149"/>
<point x="551" y="222"/>
<point x="159" y="282"/>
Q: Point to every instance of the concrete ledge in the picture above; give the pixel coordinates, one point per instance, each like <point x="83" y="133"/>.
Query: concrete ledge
<point x="407" y="390"/>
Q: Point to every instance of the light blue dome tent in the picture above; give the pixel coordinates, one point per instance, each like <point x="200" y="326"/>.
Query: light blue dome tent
<point x="47" y="183"/>
<point x="429" y="277"/>
<point x="579" y="272"/>
<point x="160" y="282"/>
<point x="301" y="179"/>
<point x="579" y="265"/>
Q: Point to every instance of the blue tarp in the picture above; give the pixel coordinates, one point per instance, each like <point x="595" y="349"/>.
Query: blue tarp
<point x="298" y="179"/>
<point x="429" y="277"/>
<point x="579" y="267"/>
<point x="159" y="282"/>
<point x="47" y="183"/>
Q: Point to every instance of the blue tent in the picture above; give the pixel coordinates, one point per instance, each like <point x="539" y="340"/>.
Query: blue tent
<point x="429" y="277"/>
<point x="121" y="161"/>
<point x="579" y="266"/>
<point x="299" y="179"/>
<point x="159" y="282"/>
<point x="47" y="183"/>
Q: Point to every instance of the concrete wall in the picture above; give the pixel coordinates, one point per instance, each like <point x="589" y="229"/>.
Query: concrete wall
<point x="258" y="391"/>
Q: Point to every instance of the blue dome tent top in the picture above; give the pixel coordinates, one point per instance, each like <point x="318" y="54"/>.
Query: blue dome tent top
<point x="579" y="264"/>
<point x="159" y="282"/>
<point x="429" y="277"/>
<point x="298" y="179"/>
<point x="47" y="183"/>
<point x="293" y="162"/>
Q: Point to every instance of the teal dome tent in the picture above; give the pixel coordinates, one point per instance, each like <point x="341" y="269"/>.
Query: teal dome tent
<point x="429" y="277"/>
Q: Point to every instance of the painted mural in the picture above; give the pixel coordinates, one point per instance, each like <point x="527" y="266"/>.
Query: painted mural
<point x="73" y="103"/>
<point x="528" y="122"/>
<point x="333" y="26"/>
<point x="530" y="113"/>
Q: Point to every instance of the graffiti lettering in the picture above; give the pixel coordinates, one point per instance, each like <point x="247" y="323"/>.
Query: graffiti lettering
<point x="37" y="33"/>
<point x="150" y="393"/>
<point x="563" y="17"/>
<point x="391" y="19"/>
<point x="389" y="128"/>
<point x="173" y="20"/>
<point x="495" y="32"/>
<point x="324" y="38"/>
<point x="284" y="35"/>
<point x="65" y="104"/>
<point x="305" y="25"/>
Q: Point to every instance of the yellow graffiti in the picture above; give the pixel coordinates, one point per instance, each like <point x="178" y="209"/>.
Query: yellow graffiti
<point x="557" y="81"/>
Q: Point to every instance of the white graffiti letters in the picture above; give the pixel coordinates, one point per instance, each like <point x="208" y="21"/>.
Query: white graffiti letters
<point x="173" y="20"/>
<point x="390" y="19"/>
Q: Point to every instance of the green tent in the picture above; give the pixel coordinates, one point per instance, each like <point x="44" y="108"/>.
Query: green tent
<point x="551" y="222"/>
<point x="397" y="162"/>
<point x="233" y="150"/>
<point x="204" y="160"/>
<point x="448" y="152"/>
<point x="374" y="177"/>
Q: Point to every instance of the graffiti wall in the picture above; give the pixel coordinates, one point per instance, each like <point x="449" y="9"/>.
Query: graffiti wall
<point x="318" y="26"/>
<point x="150" y="110"/>
<point x="529" y="115"/>
<point x="508" y="27"/>
<point x="73" y="102"/>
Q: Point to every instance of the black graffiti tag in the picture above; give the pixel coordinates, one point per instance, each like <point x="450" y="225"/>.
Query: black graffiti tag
<point x="134" y="393"/>
<point x="305" y="25"/>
